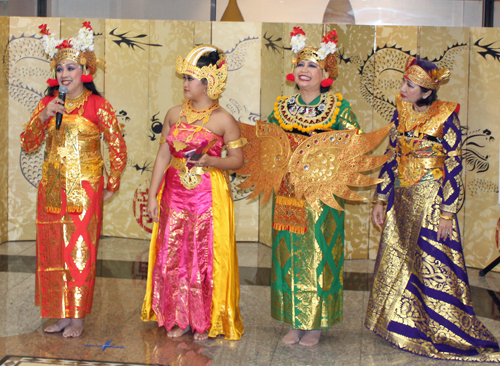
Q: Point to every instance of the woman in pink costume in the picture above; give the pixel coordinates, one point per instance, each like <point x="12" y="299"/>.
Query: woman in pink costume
<point x="193" y="280"/>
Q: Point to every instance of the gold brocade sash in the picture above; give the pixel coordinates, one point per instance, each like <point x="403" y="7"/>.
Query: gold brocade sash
<point x="413" y="168"/>
<point x="73" y="154"/>
<point x="190" y="177"/>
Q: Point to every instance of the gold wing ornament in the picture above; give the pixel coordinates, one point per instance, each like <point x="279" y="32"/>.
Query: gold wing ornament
<point x="266" y="157"/>
<point x="327" y="163"/>
<point x="323" y="165"/>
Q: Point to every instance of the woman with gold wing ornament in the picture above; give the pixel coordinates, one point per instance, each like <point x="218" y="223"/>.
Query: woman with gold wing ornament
<point x="310" y="150"/>
<point x="72" y="190"/>
<point x="420" y="300"/>
<point x="193" y="282"/>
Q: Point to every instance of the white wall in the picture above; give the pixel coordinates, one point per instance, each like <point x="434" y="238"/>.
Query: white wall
<point x="130" y="9"/>
<point x="397" y="12"/>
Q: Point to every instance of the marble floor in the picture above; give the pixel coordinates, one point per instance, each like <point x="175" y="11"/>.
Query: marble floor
<point x="114" y="333"/>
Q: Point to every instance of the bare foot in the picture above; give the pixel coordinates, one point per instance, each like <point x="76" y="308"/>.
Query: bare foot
<point x="293" y="336"/>
<point x="57" y="326"/>
<point x="177" y="332"/>
<point x="74" y="329"/>
<point x="200" y="336"/>
<point x="311" y="338"/>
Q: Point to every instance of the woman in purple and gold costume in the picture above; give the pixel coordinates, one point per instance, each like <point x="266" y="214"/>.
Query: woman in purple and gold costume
<point x="193" y="282"/>
<point x="71" y="192"/>
<point x="420" y="299"/>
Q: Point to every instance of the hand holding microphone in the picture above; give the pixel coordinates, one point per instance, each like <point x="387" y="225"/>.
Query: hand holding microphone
<point x="62" y="95"/>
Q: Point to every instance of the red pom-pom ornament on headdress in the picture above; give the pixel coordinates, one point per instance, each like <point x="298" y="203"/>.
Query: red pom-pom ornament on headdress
<point x="290" y="77"/>
<point x="326" y="82"/>
<point x="87" y="78"/>
<point x="52" y="82"/>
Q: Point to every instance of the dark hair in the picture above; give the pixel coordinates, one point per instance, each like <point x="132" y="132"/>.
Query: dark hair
<point x="322" y="89"/>
<point x="90" y="86"/>
<point x="427" y="66"/>
<point x="206" y="60"/>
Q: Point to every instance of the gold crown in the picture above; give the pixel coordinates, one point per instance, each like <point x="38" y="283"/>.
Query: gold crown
<point x="329" y="64"/>
<point x="429" y="80"/>
<point x="215" y="75"/>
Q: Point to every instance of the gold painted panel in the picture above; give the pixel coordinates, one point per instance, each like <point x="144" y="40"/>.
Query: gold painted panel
<point x="27" y="82"/>
<point x="242" y="44"/>
<point x="354" y="47"/>
<point x="4" y="138"/>
<point x="127" y="51"/>
<point x="481" y="149"/>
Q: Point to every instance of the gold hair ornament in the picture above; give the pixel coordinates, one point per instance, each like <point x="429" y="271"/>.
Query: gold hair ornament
<point x="215" y="75"/>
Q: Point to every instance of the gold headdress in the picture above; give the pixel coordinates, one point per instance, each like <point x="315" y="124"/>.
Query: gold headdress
<point x="323" y="56"/>
<point x="429" y="80"/>
<point x="79" y="49"/>
<point x="214" y="74"/>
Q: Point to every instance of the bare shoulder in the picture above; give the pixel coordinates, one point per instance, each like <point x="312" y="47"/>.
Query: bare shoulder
<point x="224" y="117"/>
<point x="172" y="115"/>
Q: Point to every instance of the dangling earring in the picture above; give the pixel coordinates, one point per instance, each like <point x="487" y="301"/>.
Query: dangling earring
<point x="326" y="82"/>
<point x="86" y="78"/>
<point x="290" y="77"/>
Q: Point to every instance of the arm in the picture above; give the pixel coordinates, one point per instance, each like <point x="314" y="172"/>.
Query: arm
<point x="163" y="158"/>
<point x="450" y="188"/>
<point x="234" y="158"/>
<point x="388" y="174"/>
<point x="34" y="133"/>
<point x="108" y="124"/>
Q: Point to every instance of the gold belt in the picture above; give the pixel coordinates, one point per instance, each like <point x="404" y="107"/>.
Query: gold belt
<point x="413" y="168"/>
<point x="190" y="178"/>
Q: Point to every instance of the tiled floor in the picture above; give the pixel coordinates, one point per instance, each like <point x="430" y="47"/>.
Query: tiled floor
<point x="115" y="319"/>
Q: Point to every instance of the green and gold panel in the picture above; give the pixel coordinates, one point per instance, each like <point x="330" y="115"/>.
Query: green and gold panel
<point x="127" y="55"/>
<point x="354" y="48"/>
<point x="449" y="47"/>
<point x="242" y="44"/>
<point x="382" y="73"/>
<point x="480" y="151"/>
<point x="4" y="125"/>
<point x="27" y="71"/>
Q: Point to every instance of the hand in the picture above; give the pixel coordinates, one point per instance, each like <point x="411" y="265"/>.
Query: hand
<point x="153" y="208"/>
<point x="205" y="160"/>
<point x="445" y="227"/>
<point x="106" y="195"/>
<point x="54" y="106"/>
<point x="378" y="215"/>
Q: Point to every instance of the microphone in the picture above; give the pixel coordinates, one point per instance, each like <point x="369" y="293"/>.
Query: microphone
<point x="62" y="95"/>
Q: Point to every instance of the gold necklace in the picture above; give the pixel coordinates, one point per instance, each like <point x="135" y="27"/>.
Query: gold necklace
<point x="192" y="115"/>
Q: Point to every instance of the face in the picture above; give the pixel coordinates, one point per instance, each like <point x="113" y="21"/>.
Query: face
<point x="411" y="92"/>
<point x="193" y="88"/>
<point x="308" y="75"/>
<point x="69" y="73"/>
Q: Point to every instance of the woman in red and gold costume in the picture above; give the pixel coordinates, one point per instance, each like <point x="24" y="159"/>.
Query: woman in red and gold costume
<point x="72" y="189"/>
<point x="193" y="282"/>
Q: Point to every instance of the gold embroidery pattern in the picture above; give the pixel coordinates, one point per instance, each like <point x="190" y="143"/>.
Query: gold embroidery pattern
<point x="447" y="190"/>
<point x="429" y="122"/>
<point x="80" y="254"/>
<point x="450" y="137"/>
<point x="451" y="164"/>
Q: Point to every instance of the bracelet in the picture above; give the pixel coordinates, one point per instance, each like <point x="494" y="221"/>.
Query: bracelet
<point x="379" y="202"/>
<point x="446" y="217"/>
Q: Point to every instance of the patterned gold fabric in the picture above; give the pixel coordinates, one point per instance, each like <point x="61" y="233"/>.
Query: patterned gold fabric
<point x="69" y="204"/>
